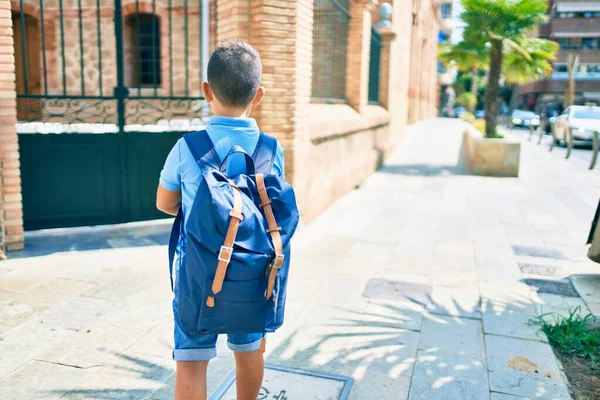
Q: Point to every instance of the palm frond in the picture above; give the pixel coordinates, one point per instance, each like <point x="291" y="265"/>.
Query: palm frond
<point x="518" y="69"/>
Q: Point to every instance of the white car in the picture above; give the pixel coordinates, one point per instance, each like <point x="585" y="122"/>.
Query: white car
<point x="581" y="120"/>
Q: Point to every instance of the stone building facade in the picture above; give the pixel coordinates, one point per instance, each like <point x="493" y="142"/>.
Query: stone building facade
<point x="330" y="146"/>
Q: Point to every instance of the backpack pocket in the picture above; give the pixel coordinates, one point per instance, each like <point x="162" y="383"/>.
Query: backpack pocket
<point x="240" y="307"/>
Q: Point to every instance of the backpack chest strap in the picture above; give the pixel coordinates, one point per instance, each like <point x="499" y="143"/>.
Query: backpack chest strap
<point x="273" y="231"/>
<point x="226" y="250"/>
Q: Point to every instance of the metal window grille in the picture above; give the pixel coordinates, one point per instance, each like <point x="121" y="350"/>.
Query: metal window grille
<point x="109" y="62"/>
<point x="330" y="43"/>
<point x="145" y="31"/>
<point x="374" y="66"/>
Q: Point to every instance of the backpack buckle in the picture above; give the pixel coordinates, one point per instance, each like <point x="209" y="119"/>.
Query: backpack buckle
<point x="278" y="261"/>
<point x="225" y="254"/>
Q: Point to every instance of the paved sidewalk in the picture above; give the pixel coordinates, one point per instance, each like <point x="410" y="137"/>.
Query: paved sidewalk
<point x="420" y="285"/>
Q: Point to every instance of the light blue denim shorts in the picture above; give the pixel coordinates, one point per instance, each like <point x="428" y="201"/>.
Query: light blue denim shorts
<point x="195" y="346"/>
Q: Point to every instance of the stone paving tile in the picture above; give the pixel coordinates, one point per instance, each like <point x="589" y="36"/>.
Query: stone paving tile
<point x="550" y="303"/>
<point x="393" y="314"/>
<point x="455" y="301"/>
<point x="133" y="377"/>
<point x="440" y="376"/>
<point x="538" y="251"/>
<point x="452" y="336"/>
<point x="14" y="312"/>
<point x="97" y="346"/>
<point x="25" y="342"/>
<point x="594" y="308"/>
<point x="41" y="380"/>
<point x="552" y="286"/>
<point x="513" y="363"/>
<point x="512" y="322"/>
<point x="54" y="291"/>
<point x="366" y="383"/>
<point x="76" y="313"/>
<point x="588" y="286"/>
<point x="20" y="280"/>
<point x="540" y="269"/>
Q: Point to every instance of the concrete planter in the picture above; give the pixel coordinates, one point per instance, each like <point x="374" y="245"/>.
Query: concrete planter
<point x="491" y="157"/>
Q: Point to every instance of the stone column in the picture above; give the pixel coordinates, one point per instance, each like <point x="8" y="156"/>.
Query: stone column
<point x="387" y="67"/>
<point x="358" y="54"/>
<point x="12" y="206"/>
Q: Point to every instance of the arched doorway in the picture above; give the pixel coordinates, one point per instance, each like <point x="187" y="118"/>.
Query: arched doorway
<point x="27" y="45"/>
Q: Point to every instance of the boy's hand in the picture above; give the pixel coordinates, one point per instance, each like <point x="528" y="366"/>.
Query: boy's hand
<point x="168" y="201"/>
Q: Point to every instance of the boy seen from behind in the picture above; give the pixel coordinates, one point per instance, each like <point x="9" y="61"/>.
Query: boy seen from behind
<point x="233" y="88"/>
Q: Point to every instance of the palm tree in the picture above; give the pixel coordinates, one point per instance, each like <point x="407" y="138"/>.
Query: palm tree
<point x="466" y="56"/>
<point x="504" y="24"/>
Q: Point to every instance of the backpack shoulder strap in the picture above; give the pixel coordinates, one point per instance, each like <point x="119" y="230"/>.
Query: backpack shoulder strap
<point x="264" y="155"/>
<point x="202" y="149"/>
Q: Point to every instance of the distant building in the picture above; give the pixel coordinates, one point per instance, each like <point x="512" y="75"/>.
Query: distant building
<point x="446" y="21"/>
<point x="575" y="25"/>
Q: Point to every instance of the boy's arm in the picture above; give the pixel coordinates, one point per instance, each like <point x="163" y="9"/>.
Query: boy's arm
<point x="168" y="195"/>
<point x="168" y="201"/>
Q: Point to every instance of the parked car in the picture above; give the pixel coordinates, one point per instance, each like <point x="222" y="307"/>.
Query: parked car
<point x="582" y="121"/>
<point x="480" y="114"/>
<point x="523" y="119"/>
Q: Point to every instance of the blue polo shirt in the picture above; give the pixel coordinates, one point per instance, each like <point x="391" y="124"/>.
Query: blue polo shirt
<point x="182" y="173"/>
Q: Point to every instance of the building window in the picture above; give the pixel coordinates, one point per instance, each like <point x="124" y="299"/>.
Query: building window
<point x="330" y="43"/>
<point x="142" y="50"/>
<point x="446" y="11"/>
<point x="590" y="43"/>
<point x="578" y="14"/>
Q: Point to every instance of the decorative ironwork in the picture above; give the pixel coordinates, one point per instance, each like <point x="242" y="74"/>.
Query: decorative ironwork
<point x="330" y="42"/>
<point x="47" y="114"/>
<point x="69" y="74"/>
<point x="175" y="112"/>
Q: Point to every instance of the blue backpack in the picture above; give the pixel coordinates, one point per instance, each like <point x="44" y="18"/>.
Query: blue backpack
<point x="234" y="268"/>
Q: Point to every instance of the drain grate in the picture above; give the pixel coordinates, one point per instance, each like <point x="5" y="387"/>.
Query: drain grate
<point x="534" y="251"/>
<point x="562" y="288"/>
<point x="281" y="383"/>
<point x="538" y="269"/>
<point x="385" y="289"/>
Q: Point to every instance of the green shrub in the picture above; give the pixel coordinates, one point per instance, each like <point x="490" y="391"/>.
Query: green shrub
<point x="467" y="100"/>
<point x="573" y="335"/>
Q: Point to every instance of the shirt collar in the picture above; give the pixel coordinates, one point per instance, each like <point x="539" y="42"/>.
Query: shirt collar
<point x="234" y="122"/>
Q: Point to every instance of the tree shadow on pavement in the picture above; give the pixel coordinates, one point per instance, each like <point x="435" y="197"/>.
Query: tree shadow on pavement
<point x="433" y="345"/>
<point x="130" y="378"/>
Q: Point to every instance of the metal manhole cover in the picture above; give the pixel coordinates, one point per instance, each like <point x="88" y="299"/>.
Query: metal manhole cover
<point x="534" y="251"/>
<point x="281" y="383"/>
<point x="562" y="288"/>
<point x="539" y="269"/>
<point x="385" y="289"/>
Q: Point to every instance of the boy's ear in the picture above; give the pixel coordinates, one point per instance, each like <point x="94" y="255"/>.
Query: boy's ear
<point x="207" y="91"/>
<point x="260" y="93"/>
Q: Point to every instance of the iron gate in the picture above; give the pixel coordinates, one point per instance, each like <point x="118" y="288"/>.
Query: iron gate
<point x="104" y="90"/>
